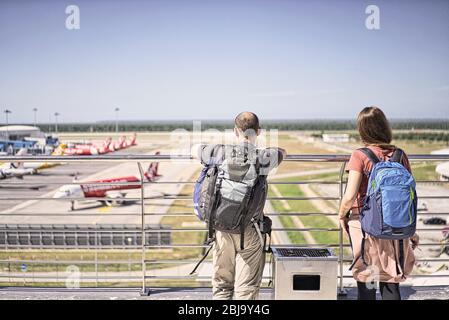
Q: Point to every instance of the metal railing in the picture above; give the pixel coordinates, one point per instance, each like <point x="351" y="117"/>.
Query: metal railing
<point x="144" y="248"/>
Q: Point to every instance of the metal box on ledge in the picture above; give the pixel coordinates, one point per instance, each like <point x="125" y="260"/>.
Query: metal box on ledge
<point x="304" y="274"/>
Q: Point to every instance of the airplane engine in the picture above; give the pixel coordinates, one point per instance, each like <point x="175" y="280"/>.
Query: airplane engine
<point x="115" y="199"/>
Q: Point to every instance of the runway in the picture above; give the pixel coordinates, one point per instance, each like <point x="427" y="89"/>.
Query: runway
<point x="54" y="211"/>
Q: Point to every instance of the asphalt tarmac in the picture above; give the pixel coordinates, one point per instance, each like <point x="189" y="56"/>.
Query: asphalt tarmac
<point x="23" y="210"/>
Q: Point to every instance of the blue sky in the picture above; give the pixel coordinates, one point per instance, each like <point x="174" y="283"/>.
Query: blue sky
<point x="192" y="59"/>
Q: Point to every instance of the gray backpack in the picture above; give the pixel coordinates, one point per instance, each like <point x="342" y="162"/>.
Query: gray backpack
<point x="230" y="190"/>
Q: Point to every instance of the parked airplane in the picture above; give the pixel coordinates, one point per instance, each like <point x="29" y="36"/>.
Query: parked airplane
<point x="19" y="169"/>
<point x="122" y="143"/>
<point x="8" y="170"/>
<point x="113" y="194"/>
<point x="93" y="149"/>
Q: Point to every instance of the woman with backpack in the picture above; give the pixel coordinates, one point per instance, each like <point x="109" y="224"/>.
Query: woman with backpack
<point x="381" y="253"/>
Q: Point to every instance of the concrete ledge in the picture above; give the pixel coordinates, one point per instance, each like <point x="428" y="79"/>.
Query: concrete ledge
<point x="19" y="293"/>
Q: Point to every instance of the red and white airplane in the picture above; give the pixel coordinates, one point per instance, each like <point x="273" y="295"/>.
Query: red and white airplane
<point x="131" y="142"/>
<point x="113" y="194"/>
<point x="107" y="146"/>
<point x="122" y="143"/>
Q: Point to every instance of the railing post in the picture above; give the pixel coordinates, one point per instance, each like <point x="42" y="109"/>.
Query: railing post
<point x="144" y="290"/>
<point x="341" y="289"/>
<point x="96" y="255"/>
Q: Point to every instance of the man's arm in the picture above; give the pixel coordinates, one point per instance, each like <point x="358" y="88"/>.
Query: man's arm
<point x="204" y="152"/>
<point x="271" y="158"/>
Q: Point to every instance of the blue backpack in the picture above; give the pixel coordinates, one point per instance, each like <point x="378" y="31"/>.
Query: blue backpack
<point x="203" y="190"/>
<point x="390" y="207"/>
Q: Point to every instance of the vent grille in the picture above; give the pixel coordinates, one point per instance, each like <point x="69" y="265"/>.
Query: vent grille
<point x="303" y="252"/>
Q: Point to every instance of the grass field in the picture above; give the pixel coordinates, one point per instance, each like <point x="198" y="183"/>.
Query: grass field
<point x="184" y="207"/>
<point x="303" y="206"/>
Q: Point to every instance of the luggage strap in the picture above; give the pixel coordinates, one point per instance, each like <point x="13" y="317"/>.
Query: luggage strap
<point x="262" y="236"/>
<point x="242" y="236"/>
<point x="370" y="154"/>
<point x="214" y="201"/>
<point x="259" y="233"/>
<point x="401" y="266"/>
<point x="397" y="156"/>
<point x="210" y="242"/>
<point x="362" y="251"/>
<point x="246" y="208"/>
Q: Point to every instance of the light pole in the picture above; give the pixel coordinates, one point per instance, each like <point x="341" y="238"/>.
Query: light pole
<point x="116" y="119"/>
<point x="35" y="116"/>
<point x="7" y="112"/>
<point x="56" y="122"/>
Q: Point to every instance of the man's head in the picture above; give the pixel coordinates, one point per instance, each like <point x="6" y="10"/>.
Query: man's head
<point x="247" y="126"/>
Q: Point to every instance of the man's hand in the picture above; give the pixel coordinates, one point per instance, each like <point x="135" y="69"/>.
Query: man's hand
<point x="283" y="151"/>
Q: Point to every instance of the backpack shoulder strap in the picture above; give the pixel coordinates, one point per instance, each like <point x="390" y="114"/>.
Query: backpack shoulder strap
<point x="397" y="156"/>
<point x="370" y="154"/>
<point x="214" y="156"/>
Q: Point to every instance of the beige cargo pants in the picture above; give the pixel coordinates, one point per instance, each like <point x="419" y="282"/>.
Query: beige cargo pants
<point x="237" y="272"/>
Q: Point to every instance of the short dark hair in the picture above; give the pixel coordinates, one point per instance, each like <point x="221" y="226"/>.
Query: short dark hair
<point x="247" y="122"/>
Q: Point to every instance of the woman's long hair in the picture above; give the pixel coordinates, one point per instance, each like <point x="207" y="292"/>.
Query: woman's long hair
<point x="374" y="128"/>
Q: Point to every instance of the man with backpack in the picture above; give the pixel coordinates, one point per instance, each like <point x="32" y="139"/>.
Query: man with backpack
<point x="230" y="195"/>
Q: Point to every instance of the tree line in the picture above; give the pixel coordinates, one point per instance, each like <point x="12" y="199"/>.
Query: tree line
<point x="308" y="125"/>
<point x="415" y="136"/>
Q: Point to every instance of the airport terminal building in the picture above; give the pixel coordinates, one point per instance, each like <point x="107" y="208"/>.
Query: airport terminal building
<point x="15" y="137"/>
<point x="443" y="168"/>
<point x="335" y="137"/>
<point x="19" y="132"/>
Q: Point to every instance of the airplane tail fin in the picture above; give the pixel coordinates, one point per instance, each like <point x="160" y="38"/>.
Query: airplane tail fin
<point x="21" y="152"/>
<point x="107" y="142"/>
<point x="152" y="172"/>
<point x="59" y="151"/>
<point x="132" y="141"/>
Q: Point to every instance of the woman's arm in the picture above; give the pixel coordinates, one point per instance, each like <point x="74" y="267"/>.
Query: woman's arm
<point x="354" y="180"/>
<point x="352" y="188"/>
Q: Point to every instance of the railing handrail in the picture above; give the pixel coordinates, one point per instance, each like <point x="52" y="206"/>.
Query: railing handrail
<point x="318" y="158"/>
<point x="164" y="157"/>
